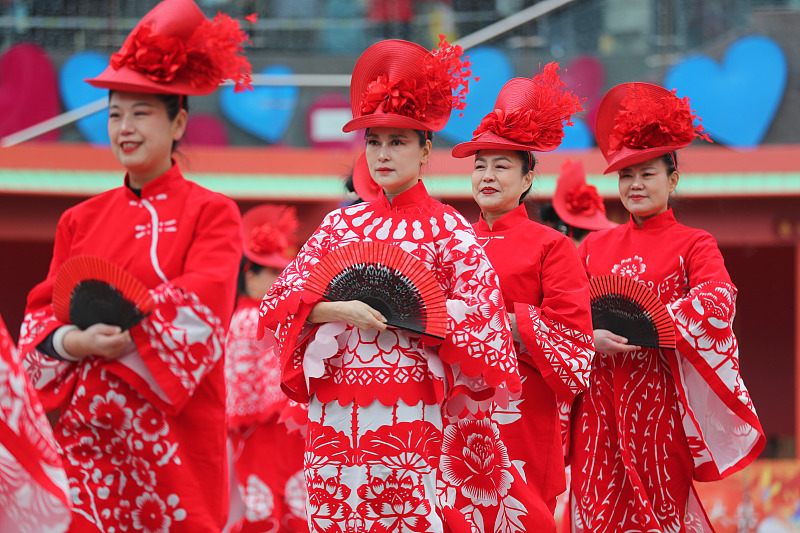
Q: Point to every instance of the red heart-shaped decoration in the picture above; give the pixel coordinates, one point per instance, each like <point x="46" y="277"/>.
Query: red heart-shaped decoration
<point x="28" y="90"/>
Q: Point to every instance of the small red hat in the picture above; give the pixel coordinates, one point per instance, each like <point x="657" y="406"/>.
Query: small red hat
<point x="577" y="203"/>
<point x="175" y="49"/>
<point x="269" y="234"/>
<point x="529" y="115"/>
<point x="637" y="122"/>
<point x="399" y="84"/>
<point x="365" y="186"/>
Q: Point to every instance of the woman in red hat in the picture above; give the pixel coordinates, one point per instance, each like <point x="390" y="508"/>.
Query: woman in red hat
<point x="654" y="419"/>
<point x="142" y="412"/>
<point x="262" y="421"/>
<point x="34" y="493"/>
<point x="577" y="208"/>
<point x="545" y="290"/>
<point x="377" y="394"/>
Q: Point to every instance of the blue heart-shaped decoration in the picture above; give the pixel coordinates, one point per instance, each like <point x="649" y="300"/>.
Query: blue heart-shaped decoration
<point x="75" y="92"/>
<point x="494" y="70"/>
<point x="738" y="99"/>
<point x="265" y="111"/>
<point x="576" y="137"/>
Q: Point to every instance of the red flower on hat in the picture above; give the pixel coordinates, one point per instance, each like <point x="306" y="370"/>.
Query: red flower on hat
<point x="543" y="122"/>
<point x="210" y="56"/>
<point x="584" y="200"/>
<point x="442" y="87"/>
<point x="159" y="57"/>
<point x="646" y="122"/>
<point x="272" y="237"/>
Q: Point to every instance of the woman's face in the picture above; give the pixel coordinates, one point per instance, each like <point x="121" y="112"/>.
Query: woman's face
<point x="257" y="285"/>
<point x="141" y="134"/>
<point x="498" y="181"/>
<point x="394" y="157"/>
<point x="645" y="188"/>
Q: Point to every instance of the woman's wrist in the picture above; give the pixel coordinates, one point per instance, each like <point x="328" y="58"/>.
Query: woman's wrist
<point x="64" y="348"/>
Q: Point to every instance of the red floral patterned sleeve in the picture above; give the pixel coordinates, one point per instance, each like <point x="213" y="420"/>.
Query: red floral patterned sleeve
<point x="721" y="424"/>
<point x="558" y="335"/>
<point x="478" y="345"/>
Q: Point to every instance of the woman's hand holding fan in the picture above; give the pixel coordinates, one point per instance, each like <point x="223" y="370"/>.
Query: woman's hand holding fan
<point x="389" y="280"/>
<point x="627" y="309"/>
<point x="354" y="312"/>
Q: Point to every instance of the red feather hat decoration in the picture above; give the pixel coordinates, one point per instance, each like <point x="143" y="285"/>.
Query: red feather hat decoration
<point x="175" y="49"/>
<point x="529" y="115"/>
<point x="637" y="122"/>
<point x="399" y="84"/>
<point x="269" y="235"/>
<point x="577" y="203"/>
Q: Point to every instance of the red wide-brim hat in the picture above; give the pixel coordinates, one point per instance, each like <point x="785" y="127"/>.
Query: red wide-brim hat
<point x="364" y="185"/>
<point x="529" y="115"/>
<point x="175" y="49"/>
<point x="650" y="99"/>
<point x="268" y="232"/>
<point x="587" y="214"/>
<point x="403" y="85"/>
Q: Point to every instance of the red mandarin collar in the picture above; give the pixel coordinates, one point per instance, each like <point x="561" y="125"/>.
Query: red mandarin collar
<point x="513" y="218"/>
<point x="159" y="185"/>
<point x="661" y="220"/>
<point x="245" y="301"/>
<point x="414" y="196"/>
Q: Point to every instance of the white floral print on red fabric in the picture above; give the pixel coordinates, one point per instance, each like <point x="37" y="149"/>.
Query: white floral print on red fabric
<point x="631" y="267"/>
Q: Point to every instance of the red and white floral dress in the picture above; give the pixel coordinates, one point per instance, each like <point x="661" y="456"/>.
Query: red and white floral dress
<point x="653" y="419"/>
<point x="34" y="493"/>
<point x="546" y="288"/>
<point x="377" y="457"/>
<point x="268" y="453"/>
<point x="143" y="437"/>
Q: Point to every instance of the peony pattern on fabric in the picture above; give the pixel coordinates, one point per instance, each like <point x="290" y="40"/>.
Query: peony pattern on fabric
<point x="132" y="430"/>
<point x="34" y="493"/>
<point x="654" y="419"/>
<point x="377" y="398"/>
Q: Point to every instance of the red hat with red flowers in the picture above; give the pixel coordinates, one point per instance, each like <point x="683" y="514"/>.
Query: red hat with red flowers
<point x="637" y="122"/>
<point x="365" y="186"/>
<point x="529" y="115"/>
<point x="269" y="235"/>
<point x="576" y="202"/>
<point x="175" y="49"/>
<point x="399" y="84"/>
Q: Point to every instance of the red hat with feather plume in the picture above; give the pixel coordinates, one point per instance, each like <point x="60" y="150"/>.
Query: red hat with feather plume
<point x="529" y="115"/>
<point x="175" y="49"/>
<point x="269" y="235"/>
<point x="637" y="122"/>
<point x="399" y="84"/>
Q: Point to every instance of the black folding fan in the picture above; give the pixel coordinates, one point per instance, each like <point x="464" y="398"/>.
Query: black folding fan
<point x="388" y="279"/>
<point x="90" y="290"/>
<point x="626" y="307"/>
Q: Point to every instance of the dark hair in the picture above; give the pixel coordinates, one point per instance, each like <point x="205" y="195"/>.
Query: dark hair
<point x="528" y="164"/>
<point x="670" y="159"/>
<point x="246" y="266"/>
<point x="173" y="104"/>
<point x="422" y="134"/>
<point x="548" y="214"/>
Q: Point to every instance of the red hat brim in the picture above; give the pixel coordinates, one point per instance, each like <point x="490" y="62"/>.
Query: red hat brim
<point x="573" y="176"/>
<point x="128" y="80"/>
<point x="364" y="185"/>
<point x="178" y="18"/>
<point x="397" y="60"/>
<point x="606" y="118"/>
<point x="491" y="141"/>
